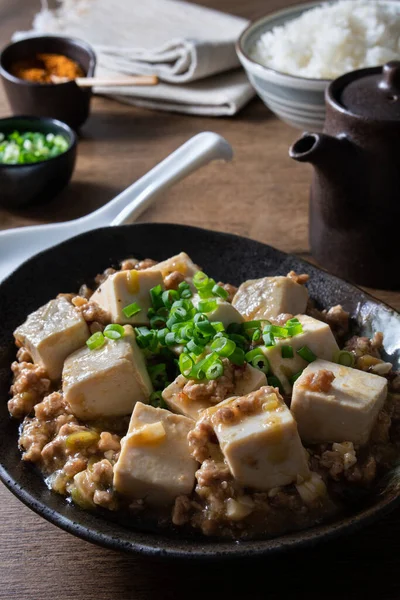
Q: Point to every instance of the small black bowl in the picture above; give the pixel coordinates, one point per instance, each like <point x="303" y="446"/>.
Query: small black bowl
<point x="36" y="183"/>
<point x="64" y="101"/>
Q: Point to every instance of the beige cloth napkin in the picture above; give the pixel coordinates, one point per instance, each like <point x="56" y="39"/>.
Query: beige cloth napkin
<point x="189" y="47"/>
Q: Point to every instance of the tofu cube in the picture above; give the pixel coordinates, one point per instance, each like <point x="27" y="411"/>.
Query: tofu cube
<point x="107" y="381"/>
<point x="346" y="412"/>
<point x="251" y="379"/>
<point x="51" y="333"/>
<point x="269" y="297"/>
<point x="180" y="263"/>
<point x="260" y="442"/>
<point x="316" y="335"/>
<point x="155" y="463"/>
<point x="224" y="311"/>
<point x="124" y="288"/>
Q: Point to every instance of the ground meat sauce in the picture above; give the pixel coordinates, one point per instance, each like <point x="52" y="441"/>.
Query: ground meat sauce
<point x="77" y="458"/>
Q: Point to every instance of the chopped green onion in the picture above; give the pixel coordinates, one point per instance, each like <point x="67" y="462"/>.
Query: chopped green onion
<point x="200" y="280"/>
<point x="287" y="351"/>
<point x="131" y="310"/>
<point x="30" y="147"/>
<point x="295" y="329"/>
<point x="157" y="321"/>
<point x="260" y="362"/>
<point x="215" y="370"/>
<point x="156" y="296"/>
<point x="223" y="346"/>
<point x="202" y="366"/>
<point x="205" y="328"/>
<point x="169" y="297"/>
<point x="114" y="331"/>
<point x="218" y="326"/>
<point x="275" y="382"/>
<point x="161" y="333"/>
<point x="256" y="335"/>
<point x="239" y="340"/>
<point x="217" y="290"/>
<point x="295" y="377"/>
<point x="292" y="321"/>
<point x="307" y="354"/>
<point x="276" y="331"/>
<point x="184" y="290"/>
<point x="269" y="339"/>
<point x="95" y="341"/>
<point x="342" y="357"/>
<point x="207" y="306"/>
<point x="157" y="400"/>
<point x="237" y="356"/>
<point x="170" y="339"/>
<point x="185" y="364"/>
<point x="143" y="336"/>
<point x="194" y="348"/>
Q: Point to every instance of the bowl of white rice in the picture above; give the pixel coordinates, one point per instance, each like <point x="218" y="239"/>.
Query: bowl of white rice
<point x="292" y="55"/>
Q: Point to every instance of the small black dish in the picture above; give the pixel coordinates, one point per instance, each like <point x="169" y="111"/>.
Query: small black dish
<point x="35" y="183"/>
<point x="64" y="101"/>
<point x="228" y="258"/>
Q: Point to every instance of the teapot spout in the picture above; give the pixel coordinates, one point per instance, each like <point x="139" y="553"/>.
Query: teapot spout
<point x="317" y="149"/>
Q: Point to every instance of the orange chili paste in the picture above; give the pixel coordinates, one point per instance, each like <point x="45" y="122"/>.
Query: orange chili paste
<point x="41" y="67"/>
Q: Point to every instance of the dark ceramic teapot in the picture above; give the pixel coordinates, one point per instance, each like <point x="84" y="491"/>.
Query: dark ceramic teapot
<point x="355" y="192"/>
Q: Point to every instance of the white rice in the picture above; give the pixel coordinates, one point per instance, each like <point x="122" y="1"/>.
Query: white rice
<point x="330" y="40"/>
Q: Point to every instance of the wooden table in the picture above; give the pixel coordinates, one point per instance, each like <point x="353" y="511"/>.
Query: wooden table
<point x="263" y="195"/>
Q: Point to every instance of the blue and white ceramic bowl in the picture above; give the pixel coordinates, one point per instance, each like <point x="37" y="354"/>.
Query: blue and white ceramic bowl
<point x="296" y="100"/>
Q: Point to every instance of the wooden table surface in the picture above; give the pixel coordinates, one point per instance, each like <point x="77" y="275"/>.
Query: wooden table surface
<point x="262" y="195"/>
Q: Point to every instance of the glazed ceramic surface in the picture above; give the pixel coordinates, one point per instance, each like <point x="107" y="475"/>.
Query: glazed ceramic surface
<point x="354" y="207"/>
<point x="296" y="100"/>
<point x="64" y="101"/>
<point x="36" y="183"/>
<point x="226" y="257"/>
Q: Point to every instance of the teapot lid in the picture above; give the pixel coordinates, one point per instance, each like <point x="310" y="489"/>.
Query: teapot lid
<point x="374" y="92"/>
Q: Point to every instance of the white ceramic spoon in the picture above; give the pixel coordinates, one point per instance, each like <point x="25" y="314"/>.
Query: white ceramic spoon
<point x="17" y="245"/>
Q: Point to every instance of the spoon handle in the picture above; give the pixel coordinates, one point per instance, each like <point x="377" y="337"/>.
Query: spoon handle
<point x="195" y="153"/>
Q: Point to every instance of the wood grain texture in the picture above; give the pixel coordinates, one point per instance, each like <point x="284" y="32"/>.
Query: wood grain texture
<point x="263" y="195"/>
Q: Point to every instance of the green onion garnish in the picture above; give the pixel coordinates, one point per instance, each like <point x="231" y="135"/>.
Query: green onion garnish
<point x="295" y="377"/>
<point x="237" y="356"/>
<point x="196" y="349"/>
<point x="215" y="370"/>
<point x="170" y="339"/>
<point x="200" y="280"/>
<point x="307" y="354"/>
<point x="342" y="357"/>
<point x="156" y="296"/>
<point x="169" y="297"/>
<point x="252" y="325"/>
<point x="207" y="306"/>
<point x="131" y="310"/>
<point x="184" y="290"/>
<point x="218" y="326"/>
<point x="95" y="341"/>
<point x="235" y="328"/>
<point x="30" y="147"/>
<point x="185" y="364"/>
<point x="114" y="331"/>
<point x="217" y="290"/>
<point x="287" y="351"/>
<point x="269" y="339"/>
<point x="256" y="335"/>
<point x="295" y="329"/>
<point x="223" y="346"/>
<point x="275" y="382"/>
<point x="276" y="331"/>
<point x="257" y="359"/>
<point x="157" y="321"/>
